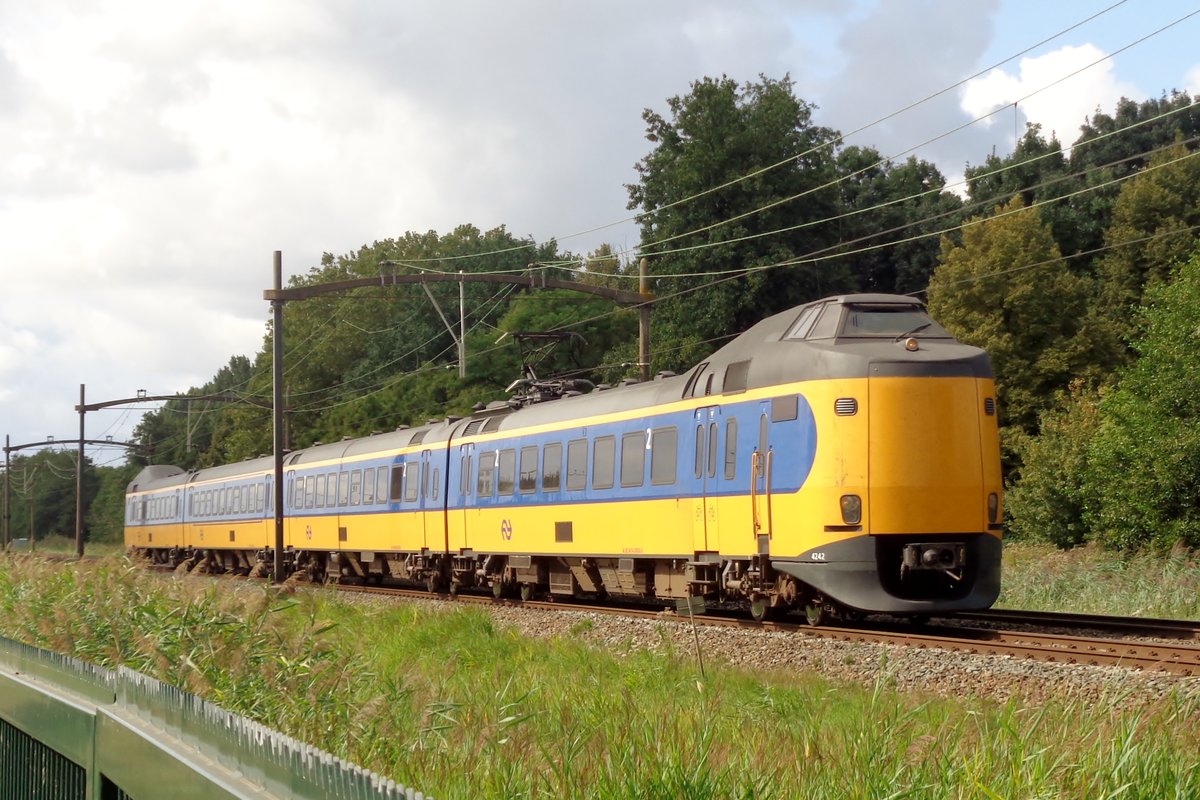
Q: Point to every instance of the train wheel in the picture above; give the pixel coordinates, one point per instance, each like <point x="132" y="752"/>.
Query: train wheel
<point x="760" y="608"/>
<point x="816" y="613"/>
<point x="431" y="583"/>
<point x="497" y="589"/>
<point x="526" y="591"/>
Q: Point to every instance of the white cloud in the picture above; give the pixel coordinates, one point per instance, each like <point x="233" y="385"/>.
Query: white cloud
<point x="1060" y="108"/>
<point x="1191" y="82"/>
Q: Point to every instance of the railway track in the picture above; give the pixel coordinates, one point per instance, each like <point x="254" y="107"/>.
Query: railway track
<point x="1137" y="626"/>
<point x="1179" y="659"/>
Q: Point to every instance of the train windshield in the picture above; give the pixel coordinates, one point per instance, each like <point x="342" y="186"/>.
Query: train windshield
<point x="890" y="321"/>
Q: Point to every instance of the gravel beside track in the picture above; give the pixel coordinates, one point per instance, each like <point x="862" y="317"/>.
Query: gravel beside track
<point x="937" y="673"/>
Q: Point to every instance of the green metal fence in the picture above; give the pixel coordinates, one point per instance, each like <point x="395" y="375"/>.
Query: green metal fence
<point x="73" y="731"/>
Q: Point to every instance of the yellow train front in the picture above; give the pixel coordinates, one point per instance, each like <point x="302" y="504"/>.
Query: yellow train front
<point x="889" y="500"/>
<point x="841" y="457"/>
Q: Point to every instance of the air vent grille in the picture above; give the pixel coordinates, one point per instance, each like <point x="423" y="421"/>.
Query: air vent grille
<point x="989" y="406"/>
<point x="846" y="406"/>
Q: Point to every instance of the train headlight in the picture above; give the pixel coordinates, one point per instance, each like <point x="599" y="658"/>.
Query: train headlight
<point x="911" y="344"/>
<point x="993" y="507"/>
<point x="851" y="509"/>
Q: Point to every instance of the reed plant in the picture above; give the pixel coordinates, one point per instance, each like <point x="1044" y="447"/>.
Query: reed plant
<point x="447" y="701"/>
<point x="1091" y="580"/>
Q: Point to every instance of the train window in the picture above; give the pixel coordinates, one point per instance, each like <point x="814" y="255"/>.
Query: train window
<point x="576" y="465"/>
<point x="804" y="324"/>
<point x="381" y="485"/>
<point x="412" y="481"/>
<point x="827" y="324"/>
<point x="436" y="482"/>
<point x="343" y="495"/>
<point x="310" y="490"/>
<point x="356" y="487"/>
<point x="320" y="491"/>
<point x="425" y="474"/>
<point x="731" y="449"/>
<point x="712" y="450"/>
<point x="529" y="468"/>
<point x="603" y="462"/>
<point x="507" y="479"/>
<point x="890" y="320"/>
<point x="784" y="409"/>
<point x="633" y="459"/>
<point x="261" y="502"/>
<point x="368" y="485"/>
<point x="552" y="467"/>
<point x="762" y="445"/>
<point x="737" y="376"/>
<point x="487" y="468"/>
<point x="664" y="446"/>
<point x="397" y="482"/>
<point x="699" y="451"/>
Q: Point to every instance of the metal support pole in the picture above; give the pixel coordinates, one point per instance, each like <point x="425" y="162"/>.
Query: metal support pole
<point x="644" y="321"/>
<point x="277" y="413"/>
<point x="7" y="495"/>
<point x="79" y="478"/>
<point x="462" y="329"/>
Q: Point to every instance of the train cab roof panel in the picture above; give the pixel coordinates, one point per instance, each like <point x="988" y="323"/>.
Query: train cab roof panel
<point x="846" y="336"/>
<point x="157" y="476"/>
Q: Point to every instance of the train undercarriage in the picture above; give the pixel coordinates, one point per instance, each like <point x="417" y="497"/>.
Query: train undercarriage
<point x="903" y="578"/>
<point x="751" y="582"/>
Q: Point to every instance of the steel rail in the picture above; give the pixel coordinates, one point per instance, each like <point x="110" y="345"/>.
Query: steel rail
<point x="1052" y="648"/>
<point x="1143" y="626"/>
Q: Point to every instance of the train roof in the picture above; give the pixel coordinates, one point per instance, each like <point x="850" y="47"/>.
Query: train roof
<point x="768" y="353"/>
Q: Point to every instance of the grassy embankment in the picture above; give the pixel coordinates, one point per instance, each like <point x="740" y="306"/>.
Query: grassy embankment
<point x="448" y="703"/>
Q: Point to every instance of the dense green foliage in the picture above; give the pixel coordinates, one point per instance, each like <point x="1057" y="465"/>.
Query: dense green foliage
<point x="1144" y="464"/>
<point x="455" y="704"/>
<point x="1025" y="316"/>
<point x="42" y="494"/>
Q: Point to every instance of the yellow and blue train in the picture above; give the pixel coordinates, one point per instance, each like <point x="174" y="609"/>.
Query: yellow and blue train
<point x="841" y="457"/>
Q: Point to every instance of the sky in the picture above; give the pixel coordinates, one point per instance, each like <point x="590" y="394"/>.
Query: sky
<point x="154" y="155"/>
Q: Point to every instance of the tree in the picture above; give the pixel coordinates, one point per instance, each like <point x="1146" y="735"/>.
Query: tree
<point x="883" y="203"/>
<point x="43" y="485"/>
<point x="1049" y="502"/>
<point x="106" y="511"/>
<point x="1165" y="197"/>
<point x="1144" y="464"/>
<point x="1005" y="289"/>
<point x="351" y="358"/>
<point x="703" y="217"/>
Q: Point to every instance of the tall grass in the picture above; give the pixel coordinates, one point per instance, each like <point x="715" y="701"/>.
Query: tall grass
<point x="451" y="703"/>
<point x="1091" y="580"/>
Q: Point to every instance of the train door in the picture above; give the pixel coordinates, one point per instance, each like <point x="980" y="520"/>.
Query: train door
<point x="705" y="512"/>
<point x="762" y="464"/>
<point x="435" y="533"/>
<point x="457" y="505"/>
